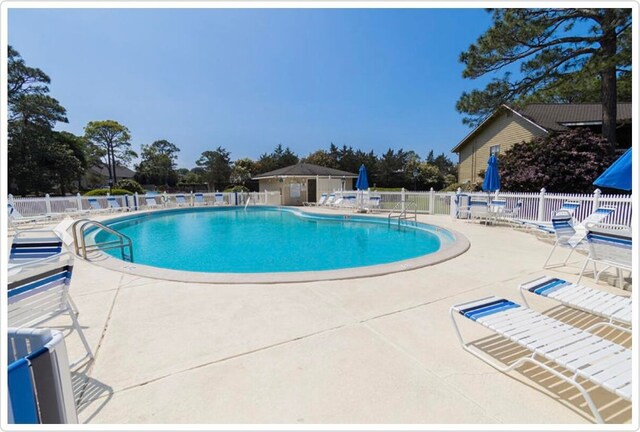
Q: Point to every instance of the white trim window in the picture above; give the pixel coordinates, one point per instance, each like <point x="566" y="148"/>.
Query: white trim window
<point x="494" y="150"/>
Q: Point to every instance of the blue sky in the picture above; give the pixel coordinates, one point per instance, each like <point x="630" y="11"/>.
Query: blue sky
<point x="248" y="80"/>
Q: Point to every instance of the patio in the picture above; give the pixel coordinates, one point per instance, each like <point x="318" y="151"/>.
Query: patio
<point x="371" y="350"/>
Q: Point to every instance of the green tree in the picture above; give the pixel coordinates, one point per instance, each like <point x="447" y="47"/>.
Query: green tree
<point x="242" y="170"/>
<point x="114" y="140"/>
<point x="217" y="167"/>
<point x="279" y="158"/>
<point x="553" y="55"/>
<point x="158" y="162"/>
<point x="391" y="168"/>
<point x="39" y="159"/>
<point x="322" y="158"/>
<point x="562" y="162"/>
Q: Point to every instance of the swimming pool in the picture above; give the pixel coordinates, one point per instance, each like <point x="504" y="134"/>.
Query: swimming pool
<point x="263" y="240"/>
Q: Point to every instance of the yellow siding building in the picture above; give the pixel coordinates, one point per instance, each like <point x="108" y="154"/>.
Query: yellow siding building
<point x="506" y="127"/>
<point x="498" y="133"/>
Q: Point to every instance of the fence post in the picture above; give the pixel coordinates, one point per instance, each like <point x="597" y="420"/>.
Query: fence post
<point x="402" y="199"/>
<point x="455" y="203"/>
<point x="79" y="199"/>
<point x="47" y="202"/>
<point x="10" y="200"/>
<point x="432" y="201"/>
<point x="541" y="205"/>
<point x="596" y="199"/>
<point x="135" y="200"/>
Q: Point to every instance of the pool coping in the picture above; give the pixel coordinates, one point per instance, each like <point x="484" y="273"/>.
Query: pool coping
<point x="459" y="246"/>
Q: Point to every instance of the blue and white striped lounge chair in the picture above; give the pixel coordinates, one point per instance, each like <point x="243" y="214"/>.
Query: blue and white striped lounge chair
<point x="113" y="204"/>
<point x="611" y="246"/>
<point x="181" y="201"/>
<point x="95" y="206"/>
<point x="39" y="384"/>
<point x="198" y="199"/>
<point x="16" y="219"/>
<point x="151" y="202"/>
<point x="350" y="201"/>
<point x="34" y="246"/>
<point x="511" y="215"/>
<point x="330" y="200"/>
<point x="615" y="308"/>
<point x="479" y="209"/>
<point x="40" y="292"/>
<point x="546" y="228"/>
<point x="598" y="216"/>
<point x="320" y="202"/>
<point x="218" y="199"/>
<point x="374" y="203"/>
<point x="562" y="222"/>
<point x="585" y="355"/>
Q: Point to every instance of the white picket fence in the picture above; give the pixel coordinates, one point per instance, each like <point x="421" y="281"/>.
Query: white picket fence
<point x="536" y="206"/>
<point x="74" y="205"/>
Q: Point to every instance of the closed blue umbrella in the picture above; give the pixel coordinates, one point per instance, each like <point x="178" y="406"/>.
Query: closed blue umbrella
<point x="491" y="181"/>
<point x="618" y="175"/>
<point x="362" y="183"/>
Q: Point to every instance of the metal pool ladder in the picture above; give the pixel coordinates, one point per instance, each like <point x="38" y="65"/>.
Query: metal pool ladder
<point x="401" y="211"/>
<point x="123" y="242"/>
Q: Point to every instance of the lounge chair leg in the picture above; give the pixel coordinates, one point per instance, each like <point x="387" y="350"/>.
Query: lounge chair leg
<point x="76" y="325"/>
<point x="546" y="263"/>
<point x="584" y="267"/>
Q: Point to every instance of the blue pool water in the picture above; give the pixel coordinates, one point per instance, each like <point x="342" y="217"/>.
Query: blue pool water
<point x="268" y="239"/>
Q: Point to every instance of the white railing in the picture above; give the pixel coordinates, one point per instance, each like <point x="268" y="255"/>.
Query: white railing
<point x="536" y="206"/>
<point x="77" y="204"/>
<point x="539" y="207"/>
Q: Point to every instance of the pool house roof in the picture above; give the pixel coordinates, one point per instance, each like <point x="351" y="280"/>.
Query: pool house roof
<point x="305" y="170"/>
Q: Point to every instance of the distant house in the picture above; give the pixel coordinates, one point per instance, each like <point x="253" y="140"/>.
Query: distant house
<point x="507" y="126"/>
<point x="304" y="182"/>
<point x="96" y="177"/>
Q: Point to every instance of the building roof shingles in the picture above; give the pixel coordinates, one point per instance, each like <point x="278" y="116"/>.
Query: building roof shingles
<point x="305" y="170"/>
<point x="554" y="116"/>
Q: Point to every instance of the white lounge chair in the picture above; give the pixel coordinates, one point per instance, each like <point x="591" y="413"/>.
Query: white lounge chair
<point x="598" y="216"/>
<point x="151" y="202"/>
<point x="16" y="219"/>
<point x="373" y="203"/>
<point x="181" y="201"/>
<point x="615" y="308"/>
<point x="320" y="202"/>
<point x="330" y="199"/>
<point x="583" y="354"/>
<point x="40" y="292"/>
<point x="95" y="206"/>
<point x="562" y="223"/>
<point x="219" y="199"/>
<point x="609" y="245"/>
<point x="478" y="209"/>
<point x="113" y="204"/>
<point x="546" y="228"/>
<point x="198" y="199"/>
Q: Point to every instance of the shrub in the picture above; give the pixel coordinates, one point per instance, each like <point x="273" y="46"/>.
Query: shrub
<point x="103" y="192"/>
<point x="465" y="187"/>
<point x="130" y="185"/>
<point x="562" y="162"/>
<point x="237" y="189"/>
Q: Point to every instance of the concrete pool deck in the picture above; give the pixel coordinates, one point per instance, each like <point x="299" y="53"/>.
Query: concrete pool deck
<point x="359" y="351"/>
